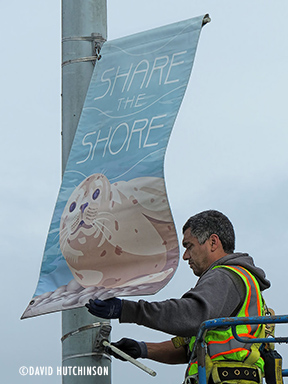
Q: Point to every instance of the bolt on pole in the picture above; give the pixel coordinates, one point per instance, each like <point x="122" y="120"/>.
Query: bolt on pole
<point x="84" y="25"/>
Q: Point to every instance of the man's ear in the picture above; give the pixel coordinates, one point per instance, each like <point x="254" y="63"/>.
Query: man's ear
<point x="214" y="242"/>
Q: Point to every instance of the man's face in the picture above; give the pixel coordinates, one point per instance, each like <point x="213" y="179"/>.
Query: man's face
<point x="198" y="256"/>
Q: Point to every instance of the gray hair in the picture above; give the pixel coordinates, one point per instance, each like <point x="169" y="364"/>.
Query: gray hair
<point x="204" y="224"/>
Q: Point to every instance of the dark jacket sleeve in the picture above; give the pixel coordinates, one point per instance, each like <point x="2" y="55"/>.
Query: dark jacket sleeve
<point x="216" y="294"/>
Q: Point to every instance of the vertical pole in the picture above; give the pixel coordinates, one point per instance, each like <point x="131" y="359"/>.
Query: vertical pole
<point x="201" y="362"/>
<point x="81" y="22"/>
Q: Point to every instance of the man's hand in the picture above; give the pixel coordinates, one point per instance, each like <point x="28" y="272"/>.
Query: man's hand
<point x="106" y="309"/>
<point x="132" y="347"/>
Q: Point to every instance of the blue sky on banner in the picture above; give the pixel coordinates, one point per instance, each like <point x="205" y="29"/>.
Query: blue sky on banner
<point x="228" y="151"/>
<point x="131" y="105"/>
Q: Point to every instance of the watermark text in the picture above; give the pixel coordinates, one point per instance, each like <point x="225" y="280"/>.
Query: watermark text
<point x="64" y="371"/>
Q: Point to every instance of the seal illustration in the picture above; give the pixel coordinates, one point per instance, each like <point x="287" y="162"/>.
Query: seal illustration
<point x="113" y="234"/>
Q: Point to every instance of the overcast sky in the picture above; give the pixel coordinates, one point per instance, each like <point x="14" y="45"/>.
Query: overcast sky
<point x="228" y="151"/>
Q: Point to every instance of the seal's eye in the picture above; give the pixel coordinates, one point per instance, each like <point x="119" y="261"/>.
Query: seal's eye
<point x="72" y="206"/>
<point x="96" y="194"/>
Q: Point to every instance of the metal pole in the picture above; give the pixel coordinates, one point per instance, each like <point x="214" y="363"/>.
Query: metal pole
<point x="84" y="23"/>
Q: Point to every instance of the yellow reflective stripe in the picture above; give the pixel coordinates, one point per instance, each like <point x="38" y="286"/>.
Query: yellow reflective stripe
<point x="192" y="342"/>
<point x="193" y="369"/>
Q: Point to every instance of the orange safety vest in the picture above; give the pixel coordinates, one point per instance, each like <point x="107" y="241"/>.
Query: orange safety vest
<point x="221" y="344"/>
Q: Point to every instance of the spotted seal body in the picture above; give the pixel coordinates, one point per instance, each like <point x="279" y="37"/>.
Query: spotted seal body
<point x="113" y="234"/>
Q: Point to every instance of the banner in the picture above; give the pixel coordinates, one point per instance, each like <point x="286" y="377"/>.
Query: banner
<point x="112" y="232"/>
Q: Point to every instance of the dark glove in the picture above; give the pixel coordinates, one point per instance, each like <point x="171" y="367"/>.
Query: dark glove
<point x="106" y="309"/>
<point x="132" y="347"/>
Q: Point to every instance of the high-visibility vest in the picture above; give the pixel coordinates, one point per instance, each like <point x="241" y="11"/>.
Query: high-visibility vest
<point x="221" y="344"/>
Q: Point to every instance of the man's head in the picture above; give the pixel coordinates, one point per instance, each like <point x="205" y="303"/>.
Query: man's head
<point x="208" y="236"/>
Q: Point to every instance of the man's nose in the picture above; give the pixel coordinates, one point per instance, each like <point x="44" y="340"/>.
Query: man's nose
<point x="186" y="255"/>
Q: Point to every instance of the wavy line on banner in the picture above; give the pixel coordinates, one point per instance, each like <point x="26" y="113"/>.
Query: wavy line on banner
<point x="141" y="110"/>
<point x="133" y="166"/>
<point x="80" y="173"/>
<point x="128" y="170"/>
<point x="156" y="50"/>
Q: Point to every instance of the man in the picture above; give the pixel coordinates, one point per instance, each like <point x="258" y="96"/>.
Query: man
<point x="229" y="284"/>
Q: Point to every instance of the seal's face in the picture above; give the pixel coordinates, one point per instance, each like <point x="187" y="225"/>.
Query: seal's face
<point x="104" y="230"/>
<point x="81" y="216"/>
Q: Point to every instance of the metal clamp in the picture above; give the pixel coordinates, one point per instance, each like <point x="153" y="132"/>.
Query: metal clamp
<point x="85" y="355"/>
<point x="206" y="19"/>
<point x="97" y="41"/>
<point x="81" y="329"/>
